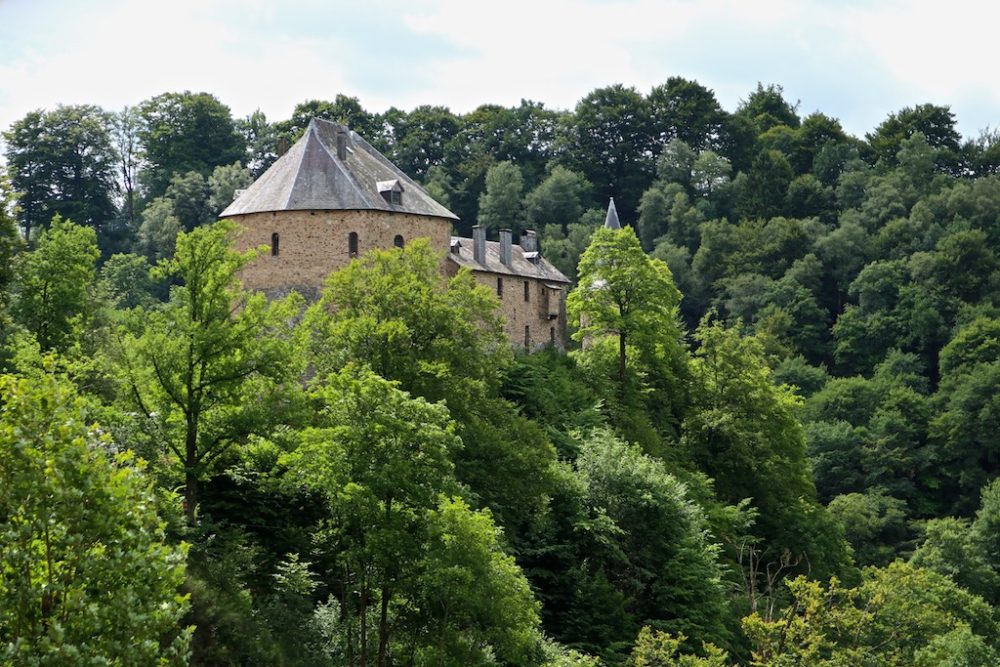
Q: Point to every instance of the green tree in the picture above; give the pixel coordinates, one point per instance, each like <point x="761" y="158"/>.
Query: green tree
<point x="743" y="431"/>
<point x="87" y="575"/>
<point x="685" y="110"/>
<point x="477" y="604"/>
<point x="766" y="187"/>
<point x="63" y="163"/>
<point x="653" y="215"/>
<point x="500" y="206"/>
<point x="10" y="238"/>
<point x="381" y="459"/>
<point x="894" y="615"/>
<point x="55" y="283"/>
<point x="608" y="140"/>
<point x="624" y="293"/>
<point x="558" y="200"/>
<point x="184" y="132"/>
<point x="654" y="648"/>
<point x="212" y="365"/>
<point x="223" y="184"/>
<point x="936" y="123"/>
<point x="767" y="107"/>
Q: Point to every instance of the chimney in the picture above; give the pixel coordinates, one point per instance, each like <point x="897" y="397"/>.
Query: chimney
<point x="341" y="145"/>
<point x="529" y="241"/>
<point x="479" y="244"/>
<point x="282" y="146"/>
<point x="505" y="253"/>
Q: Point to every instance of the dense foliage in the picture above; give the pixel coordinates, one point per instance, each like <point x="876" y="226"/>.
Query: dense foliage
<point x="773" y="442"/>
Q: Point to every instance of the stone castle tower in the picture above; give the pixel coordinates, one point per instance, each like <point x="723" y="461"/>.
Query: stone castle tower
<point x="332" y="197"/>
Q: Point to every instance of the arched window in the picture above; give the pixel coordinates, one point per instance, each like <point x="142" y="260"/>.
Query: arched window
<point x="352" y="245"/>
<point x="275" y="249"/>
<point x="398" y="241"/>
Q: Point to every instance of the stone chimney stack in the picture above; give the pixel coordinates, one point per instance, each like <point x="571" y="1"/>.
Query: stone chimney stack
<point x="342" y="145"/>
<point x="529" y="241"/>
<point x="479" y="244"/>
<point x="505" y="251"/>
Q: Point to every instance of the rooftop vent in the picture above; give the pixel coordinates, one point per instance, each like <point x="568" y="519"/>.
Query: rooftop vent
<point x="341" y="145"/>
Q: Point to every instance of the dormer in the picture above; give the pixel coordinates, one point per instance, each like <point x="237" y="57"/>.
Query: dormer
<point x="391" y="191"/>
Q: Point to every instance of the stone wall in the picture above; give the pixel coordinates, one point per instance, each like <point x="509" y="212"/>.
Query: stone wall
<point x="313" y="244"/>
<point x="543" y="312"/>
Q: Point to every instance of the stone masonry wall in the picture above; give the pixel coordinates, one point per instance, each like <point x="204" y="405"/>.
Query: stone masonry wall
<point x="313" y="244"/>
<point x="543" y="313"/>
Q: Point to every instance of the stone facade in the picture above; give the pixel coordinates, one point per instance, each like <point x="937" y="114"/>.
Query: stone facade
<point x="332" y="197"/>
<point x="313" y="244"/>
<point x="534" y="310"/>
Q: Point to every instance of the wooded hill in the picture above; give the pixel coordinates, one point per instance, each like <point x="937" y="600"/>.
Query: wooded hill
<point x="794" y="461"/>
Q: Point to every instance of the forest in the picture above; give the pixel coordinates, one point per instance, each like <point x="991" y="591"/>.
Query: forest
<point x="779" y="445"/>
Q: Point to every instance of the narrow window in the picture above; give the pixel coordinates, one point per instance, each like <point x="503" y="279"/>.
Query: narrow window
<point x="499" y="286"/>
<point x="552" y="335"/>
<point x="274" y="244"/>
<point x="527" y="291"/>
<point x="398" y="241"/>
<point x="352" y="244"/>
<point x="527" y="336"/>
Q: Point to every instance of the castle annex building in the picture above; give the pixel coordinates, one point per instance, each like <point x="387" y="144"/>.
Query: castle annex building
<point x="332" y="197"/>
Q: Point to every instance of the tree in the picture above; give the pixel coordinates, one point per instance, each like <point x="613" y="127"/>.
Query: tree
<point x="212" y="365"/>
<point x="88" y="576"/>
<point x="63" y="163"/>
<point x="623" y="292"/>
<point x="183" y="132"/>
<point x="381" y="458"/>
<point x="125" y="137"/>
<point x="654" y="648"/>
<point x="558" y="200"/>
<point x="477" y="603"/>
<point x="766" y="187"/>
<point x="936" y="123"/>
<point x="223" y="184"/>
<point x="608" y="140"/>
<point x="54" y="283"/>
<point x="742" y="430"/>
<point x="767" y="107"/>
<point x="685" y="110"/>
<point x="653" y="216"/>
<point x="10" y="238"/>
<point x="894" y="615"/>
<point x="500" y="206"/>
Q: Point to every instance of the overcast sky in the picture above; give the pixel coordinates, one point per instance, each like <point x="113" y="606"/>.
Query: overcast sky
<point x="853" y="59"/>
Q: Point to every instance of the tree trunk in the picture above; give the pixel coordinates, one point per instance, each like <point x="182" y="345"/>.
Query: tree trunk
<point x="621" y="364"/>
<point x="383" y="627"/>
<point x="191" y="469"/>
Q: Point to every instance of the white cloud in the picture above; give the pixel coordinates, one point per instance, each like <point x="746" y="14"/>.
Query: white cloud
<point x="858" y="61"/>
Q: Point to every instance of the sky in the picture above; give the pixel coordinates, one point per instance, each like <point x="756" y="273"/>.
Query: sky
<point x="856" y="60"/>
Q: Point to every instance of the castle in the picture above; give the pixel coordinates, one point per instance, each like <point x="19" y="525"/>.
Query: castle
<point x="332" y="196"/>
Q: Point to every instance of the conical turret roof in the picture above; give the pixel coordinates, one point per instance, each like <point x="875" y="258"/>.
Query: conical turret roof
<point x="313" y="176"/>
<point x="611" y="221"/>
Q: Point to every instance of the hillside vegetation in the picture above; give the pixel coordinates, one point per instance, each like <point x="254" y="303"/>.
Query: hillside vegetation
<point x="778" y="446"/>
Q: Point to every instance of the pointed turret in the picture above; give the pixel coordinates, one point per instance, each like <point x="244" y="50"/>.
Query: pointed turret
<point x="611" y="222"/>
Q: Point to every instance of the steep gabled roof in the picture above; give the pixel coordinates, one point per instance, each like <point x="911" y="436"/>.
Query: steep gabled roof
<point x="611" y="221"/>
<point x="520" y="262"/>
<point x="310" y="176"/>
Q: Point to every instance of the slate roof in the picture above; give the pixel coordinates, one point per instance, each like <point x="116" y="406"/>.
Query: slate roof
<point x="611" y="221"/>
<point x="310" y="176"/>
<point x="520" y="266"/>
